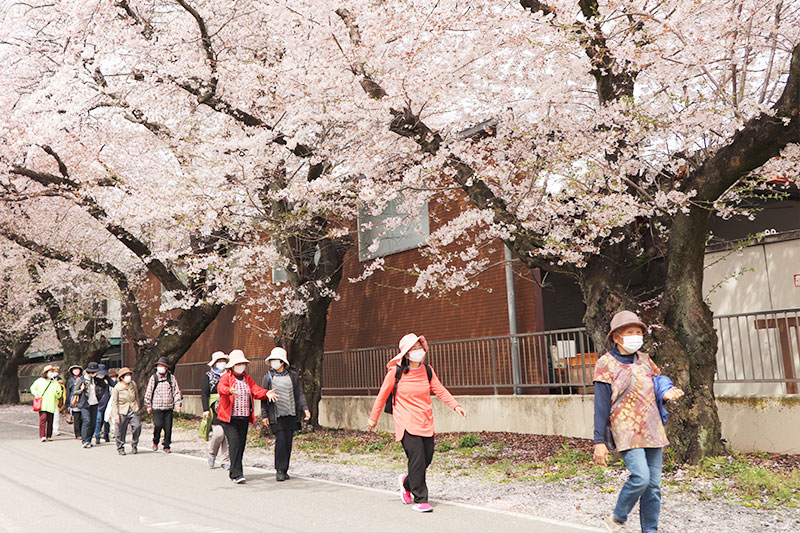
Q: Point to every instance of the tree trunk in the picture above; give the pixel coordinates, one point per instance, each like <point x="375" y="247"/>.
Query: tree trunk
<point x="9" y="372"/>
<point x="175" y="339"/>
<point x="687" y="344"/>
<point x="303" y="338"/>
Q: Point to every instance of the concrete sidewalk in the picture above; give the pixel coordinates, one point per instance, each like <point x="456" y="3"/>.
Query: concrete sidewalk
<point x="60" y="486"/>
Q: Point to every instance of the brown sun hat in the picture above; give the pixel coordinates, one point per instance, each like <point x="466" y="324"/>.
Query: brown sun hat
<point x="122" y="371"/>
<point x="624" y="319"/>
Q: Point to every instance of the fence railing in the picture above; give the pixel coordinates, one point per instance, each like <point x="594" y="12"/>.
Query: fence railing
<point x="757" y="353"/>
<point x="561" y="361"/>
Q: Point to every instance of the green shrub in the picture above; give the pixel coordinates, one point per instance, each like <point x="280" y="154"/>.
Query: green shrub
<point x="469" y="441"/>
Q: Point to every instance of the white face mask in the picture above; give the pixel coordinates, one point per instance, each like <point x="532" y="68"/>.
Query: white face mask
<point x="275" y="364"/>
<point x="127" y="379"/>
<point x="76" y="371"/>
<point x="415" y="356"/>
<point x="221" y="366"/>
<point x="632" y="343"/>
<point x="51" y="375"/>
<point x="161" y="369"/>
<point x="239" y="369"/>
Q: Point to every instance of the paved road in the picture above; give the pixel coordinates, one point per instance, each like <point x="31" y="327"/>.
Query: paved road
<point x="59" y="486"/>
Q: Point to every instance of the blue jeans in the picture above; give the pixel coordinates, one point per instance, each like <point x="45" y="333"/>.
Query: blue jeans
<point x="101" y="426"/>
<point x="643" y="485"/>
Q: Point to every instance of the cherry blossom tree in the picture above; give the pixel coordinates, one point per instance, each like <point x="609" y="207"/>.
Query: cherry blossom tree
<point x="609" y="134"/>
<point x="161" y="125"/>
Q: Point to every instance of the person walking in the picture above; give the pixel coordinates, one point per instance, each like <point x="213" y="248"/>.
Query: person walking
<point x="217" y="445"/>
<point x="163" y="398"/>
<point x="87" y="392"/>
<point x="102" y="428"/>
<point x="75" y="372"/>
<point x="125" y="405"/>
<point x="49" y="391"/>
<point x="409" y="381"/>
<point x="625" y="403"/>
<point x="237" y="390"/>
<point x="283" y="417"/>
<point x="62" y="402"/>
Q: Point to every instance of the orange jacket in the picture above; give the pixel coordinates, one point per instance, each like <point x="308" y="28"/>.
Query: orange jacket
<point x="226" y="399"/>
<point x="413" y="410"/>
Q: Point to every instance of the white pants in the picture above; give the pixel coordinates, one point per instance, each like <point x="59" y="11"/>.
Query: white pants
<point x="218" y="444"/>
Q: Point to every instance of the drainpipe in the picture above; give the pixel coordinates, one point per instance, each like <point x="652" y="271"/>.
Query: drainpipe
<point x="512" y="319"/>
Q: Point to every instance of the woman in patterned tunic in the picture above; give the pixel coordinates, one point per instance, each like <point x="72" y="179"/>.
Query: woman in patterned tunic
<point x="625" y="401"/>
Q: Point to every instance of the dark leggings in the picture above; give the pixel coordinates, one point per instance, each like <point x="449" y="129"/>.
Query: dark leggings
<point x="162" y="419"/>
<point x="283" y="431"/>
<point x="236" y="433"/>
<point x="419" y="451"/>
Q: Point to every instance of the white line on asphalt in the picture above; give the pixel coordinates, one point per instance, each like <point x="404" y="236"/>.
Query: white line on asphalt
<point x="443" y="502"/>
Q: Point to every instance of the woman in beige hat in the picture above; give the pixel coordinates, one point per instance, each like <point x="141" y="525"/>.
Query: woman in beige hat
<point x="237" y="391"/>
<point x="217" y="445"/>
<point x="409" y="381"/>
<point x="125" y="405"/>
<point x="284" y="416"/>
<point x="625" y="402"/>
<point x="48" y="389"/>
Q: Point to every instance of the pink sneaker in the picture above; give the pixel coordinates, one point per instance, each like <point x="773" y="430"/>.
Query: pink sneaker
<point x="404" y="494"/>
<point x="422" y="508"/>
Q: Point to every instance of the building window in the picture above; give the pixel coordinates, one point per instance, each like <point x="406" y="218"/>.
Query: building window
<point x="395" y="231"/>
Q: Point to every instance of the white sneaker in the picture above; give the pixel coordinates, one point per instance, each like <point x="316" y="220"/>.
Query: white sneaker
<point x="240" y="480"/>
<point x="612" y="525"/>
<point x="44" y="439"/>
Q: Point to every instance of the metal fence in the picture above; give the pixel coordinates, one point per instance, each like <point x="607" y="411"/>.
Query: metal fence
<point x="560" y="361"/>
<point x="758" y="353"/>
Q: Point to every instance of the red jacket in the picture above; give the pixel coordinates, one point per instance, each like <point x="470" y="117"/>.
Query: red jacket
<point x="226" y="399"/>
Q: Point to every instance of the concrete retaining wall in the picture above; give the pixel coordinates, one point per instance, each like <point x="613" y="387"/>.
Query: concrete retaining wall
<point x="749" y="423"/>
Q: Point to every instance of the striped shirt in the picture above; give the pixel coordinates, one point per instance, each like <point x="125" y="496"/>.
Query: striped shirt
<point x="242" y="400"/>
<point x="283" y="386"/>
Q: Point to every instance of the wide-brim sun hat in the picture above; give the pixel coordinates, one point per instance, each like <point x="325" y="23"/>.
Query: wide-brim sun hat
<point x="279" y="354"/>
<point x="623" y="319"/>
<point x="47" y="369"/>
<point x="74" y="366"/>
<point x="216" y="356"/>
<point x="92" y="368"/>
<point x="405" y="344"/>
<point x="162" y="361"/>
<point x="123" y="371"/>
<point x="237" y="358"/>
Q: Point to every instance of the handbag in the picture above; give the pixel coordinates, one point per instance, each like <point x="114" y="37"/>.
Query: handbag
<point x="37" y="401"/>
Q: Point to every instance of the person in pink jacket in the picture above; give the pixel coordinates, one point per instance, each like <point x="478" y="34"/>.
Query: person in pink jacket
<point x="412" y="412"/>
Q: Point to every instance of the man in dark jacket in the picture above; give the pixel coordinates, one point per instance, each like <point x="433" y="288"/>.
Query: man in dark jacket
<point x="75" y="372"/>
<point x="88" y="390"/>
<point x="102" y="428"/>
<point x="285" y="415"/>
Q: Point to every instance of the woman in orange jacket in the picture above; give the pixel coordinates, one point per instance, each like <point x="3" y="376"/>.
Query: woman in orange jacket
<point x="412" y="412"/>
<point x="237" y="392"/>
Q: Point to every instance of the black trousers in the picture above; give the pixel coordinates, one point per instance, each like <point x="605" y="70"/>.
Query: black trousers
<point x="162" y="419"/>
<point x="236" y="434"/>
<point x="284" y="432"/>
<point x="76" y="422"/>
<point x="88" y="418"/>
<point x="419" y="451"/>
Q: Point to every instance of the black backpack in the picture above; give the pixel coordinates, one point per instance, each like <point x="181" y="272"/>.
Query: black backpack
<point x="388" y="407"/>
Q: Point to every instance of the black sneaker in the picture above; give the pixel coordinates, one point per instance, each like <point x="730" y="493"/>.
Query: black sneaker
<point x="155" y="447"/>
<point x="280" y="476"/>
<point x="134" y="450"/>
<point x="167" y="450"/>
